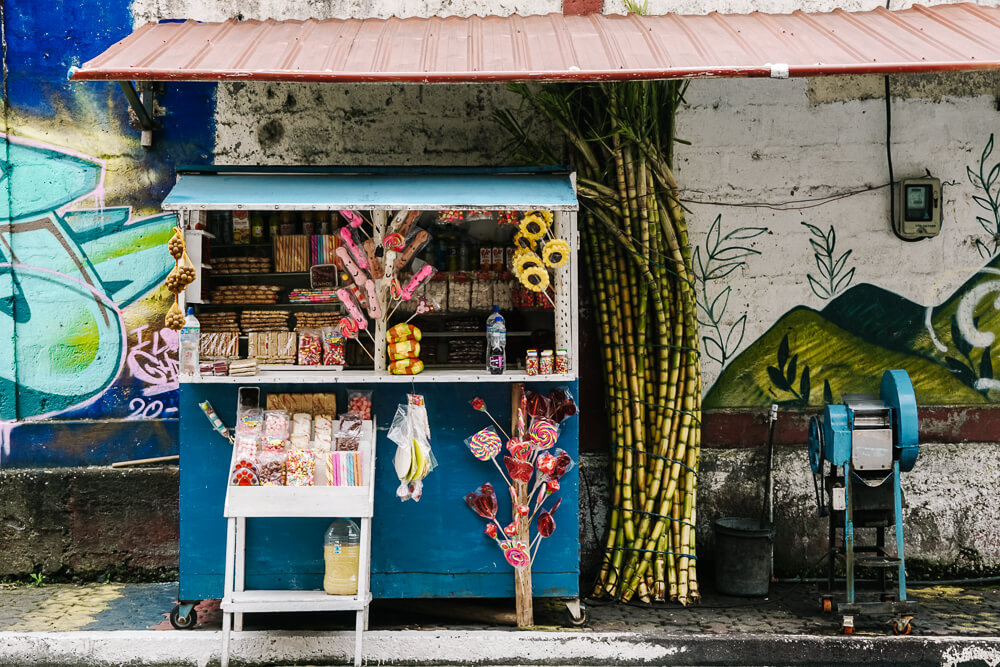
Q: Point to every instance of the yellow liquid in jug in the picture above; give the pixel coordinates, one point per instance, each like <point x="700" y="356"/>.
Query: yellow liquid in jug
<point x="341" y="569"/>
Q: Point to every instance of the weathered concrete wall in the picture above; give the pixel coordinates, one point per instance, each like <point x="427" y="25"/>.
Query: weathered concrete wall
<point x="89" y="521"/>
<point x="949" y="518"/>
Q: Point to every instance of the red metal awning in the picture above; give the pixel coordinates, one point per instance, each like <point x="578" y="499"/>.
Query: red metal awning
<point x="557" y="47"/>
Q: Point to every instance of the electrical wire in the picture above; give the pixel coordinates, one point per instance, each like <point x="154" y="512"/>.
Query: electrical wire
<point x="790" y="204"/>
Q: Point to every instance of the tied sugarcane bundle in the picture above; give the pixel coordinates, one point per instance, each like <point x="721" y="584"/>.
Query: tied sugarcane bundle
<point x="638" y="263"/>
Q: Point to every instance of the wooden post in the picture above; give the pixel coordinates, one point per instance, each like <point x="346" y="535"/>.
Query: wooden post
<point x="522" y="577"/>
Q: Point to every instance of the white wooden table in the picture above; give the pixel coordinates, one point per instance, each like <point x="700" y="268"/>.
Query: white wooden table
<point x="243" y="502"/>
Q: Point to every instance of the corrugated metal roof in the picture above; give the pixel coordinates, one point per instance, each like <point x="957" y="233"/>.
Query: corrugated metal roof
<point x="557" y="47"/>
<point x="422" y="189"/>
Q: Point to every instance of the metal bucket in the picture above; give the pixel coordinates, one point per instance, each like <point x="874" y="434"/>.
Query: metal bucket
<point x="742" y="556"/>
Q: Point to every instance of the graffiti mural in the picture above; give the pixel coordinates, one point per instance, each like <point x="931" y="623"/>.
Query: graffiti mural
<point x="72" y="277"/>
<point x="810" y="356"/>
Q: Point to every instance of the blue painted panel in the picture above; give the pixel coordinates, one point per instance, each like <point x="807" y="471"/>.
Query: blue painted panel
<point x="434" y="548"/>
<point x="421" y="190"/>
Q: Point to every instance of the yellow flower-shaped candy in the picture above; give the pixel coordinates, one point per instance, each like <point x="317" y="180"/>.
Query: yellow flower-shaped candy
<point x="533" y="227"/>
<point x="555" y="253"/>
<point x="525" y="261"/>
<point x="522" y="242"/>
<point x="535" y="278"/>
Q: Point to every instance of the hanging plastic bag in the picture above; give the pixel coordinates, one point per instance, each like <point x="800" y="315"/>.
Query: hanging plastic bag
<point x="414" y="458"/>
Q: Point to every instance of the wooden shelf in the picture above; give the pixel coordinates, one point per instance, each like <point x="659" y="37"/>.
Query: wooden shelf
<point x="284" y="601"/>
<point x="295" y="375"/>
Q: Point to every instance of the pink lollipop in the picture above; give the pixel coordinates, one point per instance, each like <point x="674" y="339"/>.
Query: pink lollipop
<point x="420" y="277"/>
<point x="543" y="433"/>
<point x="485" y="444"/>
<point x="394" y="242"/>
<point x="356" y="273"/>
<point x="357" y="252"/>
<point x="353" y="308"/>
<point x="374" y="307"/>
<point x="353" y="219"/>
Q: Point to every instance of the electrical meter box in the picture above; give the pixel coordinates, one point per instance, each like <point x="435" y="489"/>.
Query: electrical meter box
<point x="918" y="209"/>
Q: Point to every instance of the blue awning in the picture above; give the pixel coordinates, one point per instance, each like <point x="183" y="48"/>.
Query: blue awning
<point x="418" y="189"/>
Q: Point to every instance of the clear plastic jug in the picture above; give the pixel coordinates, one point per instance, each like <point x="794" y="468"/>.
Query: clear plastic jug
<point x="341" y="551"/>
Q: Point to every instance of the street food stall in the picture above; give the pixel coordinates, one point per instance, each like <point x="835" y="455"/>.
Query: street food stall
<point x="277" y="254"/>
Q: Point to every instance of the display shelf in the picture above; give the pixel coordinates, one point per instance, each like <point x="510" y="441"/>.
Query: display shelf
<point x="260" y="274"/>
<point x="259" y="306"/>
<point x="467" y="334"/>
<point x="285" y="601"/>
<point x="296" y="375"/>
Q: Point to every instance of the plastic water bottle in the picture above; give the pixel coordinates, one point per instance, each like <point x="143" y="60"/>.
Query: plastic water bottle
<point x="341" y="555"/>
<point x="190" y="343"/>
<point x="496" y="342"/>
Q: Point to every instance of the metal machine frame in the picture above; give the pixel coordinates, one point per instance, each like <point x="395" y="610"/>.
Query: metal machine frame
<point x="855" y="450"/>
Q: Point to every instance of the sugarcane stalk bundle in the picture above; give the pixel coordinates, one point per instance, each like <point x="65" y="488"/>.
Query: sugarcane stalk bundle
<point x="637" y="260"/>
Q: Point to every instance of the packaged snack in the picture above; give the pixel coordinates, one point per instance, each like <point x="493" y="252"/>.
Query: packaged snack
<point x="545" y="363"/>
<point x="406" y="366"/>
<point x="310" y="348"/>
<point x="302" y="424"/>
<point x="271" y="468"/>
<point x="333" y="347"/>
<point x="436" y="291"/>
<point x="360" y="403"/>
<point x="562" y="362"/>
<point x="246" y="448"/>
<point x="459" y="293"/>
<point x="323" y="431"/>
<point x="250" y="422"/>
<point x="241" y="227"/>
<point x="300" y="468"/>
<point x="404" y="349"/>
<point x="402" y="331"/>
<point x="276" y="424"/>
<point x="300" y="442"/>
<point x="531" y="362"/>
<point x="503" y="294"/>
<point x="275" y="444"/>
<point x="349" y="435"/>
<point x="482" y="292"/>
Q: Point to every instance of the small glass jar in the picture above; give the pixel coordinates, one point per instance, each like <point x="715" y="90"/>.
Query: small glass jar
<point x="531" y="362"/>
<point x="545" y="363"/>
<point x="308" y="225"/>
<point x="287" y="227"/>
<point x="562" y="362"/>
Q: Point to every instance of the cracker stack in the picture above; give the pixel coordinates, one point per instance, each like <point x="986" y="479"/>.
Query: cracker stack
<point x="227" y="265"/>
<point x="264" y="320"/>
<point x="272" y="347"/>
<point x="245" y="294"/>
<point x="316" y="320"/>
<point x="218" y="322"/>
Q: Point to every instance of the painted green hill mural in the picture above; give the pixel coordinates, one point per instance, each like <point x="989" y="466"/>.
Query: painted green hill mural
<point x="828" y="356"/>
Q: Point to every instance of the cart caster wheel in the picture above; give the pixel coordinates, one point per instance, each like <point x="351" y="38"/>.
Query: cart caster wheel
<point x="183" y="622"/>
<point x="576" y="621"/>
<point x="827" y="605"/>
<point x="847" y="630"/>
<point x="847" y="627"/>
<point x="902" y="626"/>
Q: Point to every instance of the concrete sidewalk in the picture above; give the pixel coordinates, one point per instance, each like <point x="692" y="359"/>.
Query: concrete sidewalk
<point x="116" y="624"/>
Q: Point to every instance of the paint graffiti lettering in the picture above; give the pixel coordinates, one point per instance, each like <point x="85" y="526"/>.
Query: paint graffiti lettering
<point x="153" y="360"/>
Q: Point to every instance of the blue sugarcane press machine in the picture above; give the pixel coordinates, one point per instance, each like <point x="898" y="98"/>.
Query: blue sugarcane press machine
<point x="857" y="451"/>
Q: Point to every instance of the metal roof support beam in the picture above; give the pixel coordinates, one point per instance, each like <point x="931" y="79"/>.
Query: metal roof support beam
<point x="142" y="106"/>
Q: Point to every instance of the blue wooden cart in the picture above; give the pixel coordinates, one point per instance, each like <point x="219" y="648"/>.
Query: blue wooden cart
<point x="431" y="549"/>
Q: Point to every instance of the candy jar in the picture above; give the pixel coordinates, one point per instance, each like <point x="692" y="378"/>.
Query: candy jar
<point x="341" y="552"/>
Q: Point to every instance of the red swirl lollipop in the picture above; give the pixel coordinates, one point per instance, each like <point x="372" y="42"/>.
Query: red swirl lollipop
<point x="516" y="553"/>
